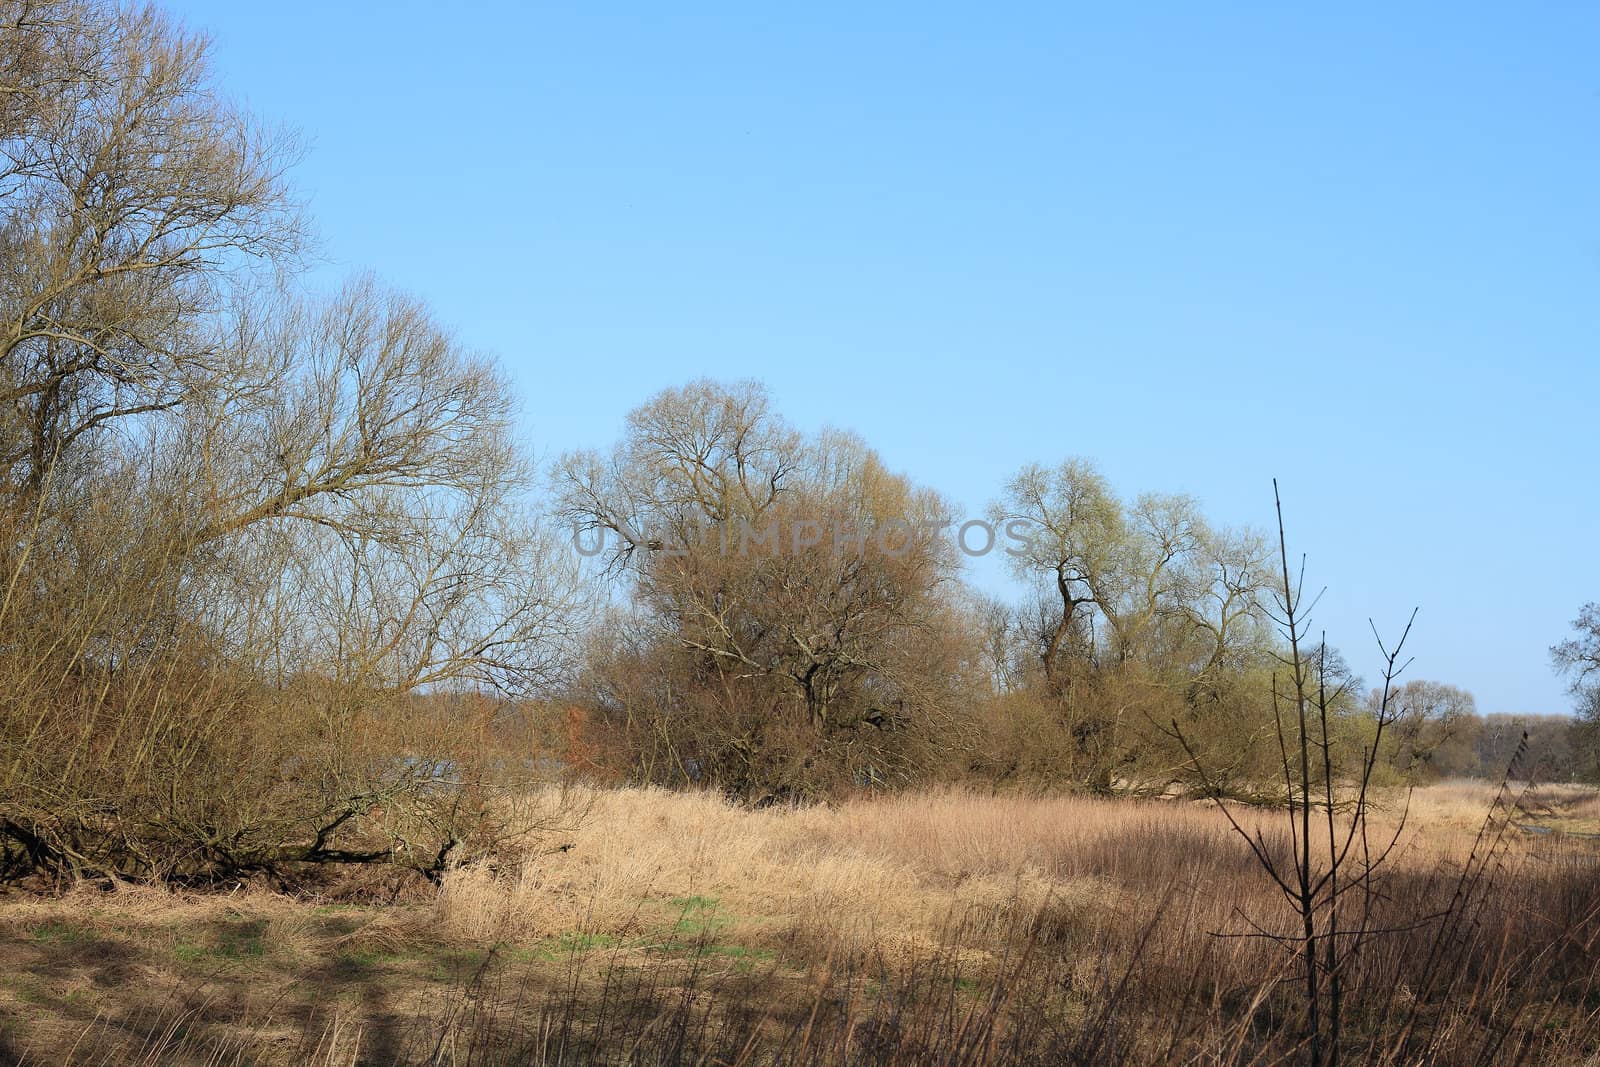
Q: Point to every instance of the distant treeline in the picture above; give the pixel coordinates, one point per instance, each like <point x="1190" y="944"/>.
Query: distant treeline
<point x="1560" y="748"/>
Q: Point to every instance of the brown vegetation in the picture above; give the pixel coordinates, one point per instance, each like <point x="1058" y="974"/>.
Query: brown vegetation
<point x="283" y="619"/>
<point x="911" y="929"/>
<point x="242" y="527"/>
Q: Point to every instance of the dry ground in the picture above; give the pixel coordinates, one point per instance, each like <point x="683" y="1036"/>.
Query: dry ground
<point x="649" y="901"/>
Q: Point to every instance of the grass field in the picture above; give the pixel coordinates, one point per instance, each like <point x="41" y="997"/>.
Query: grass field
<point x="657" y="927"/>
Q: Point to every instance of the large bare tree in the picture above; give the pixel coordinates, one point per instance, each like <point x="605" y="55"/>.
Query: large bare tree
<point x="803" y="591"/>
<point x="258" y="544"/>
<point x="1578" y="657"/>
<point x="1130" y="581"/>
<point x="132" y="196"/>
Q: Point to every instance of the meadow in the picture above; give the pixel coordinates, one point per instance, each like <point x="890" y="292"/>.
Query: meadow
<point x="656" y="927"/>
<point x="298" y="629"/>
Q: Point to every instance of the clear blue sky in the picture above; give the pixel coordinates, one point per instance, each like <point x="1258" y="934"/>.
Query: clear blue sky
<point x="1356" y="248"/>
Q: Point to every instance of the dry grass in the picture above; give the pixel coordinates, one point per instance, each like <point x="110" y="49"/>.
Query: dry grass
<point x="878" y="873"/>
<point x="901" y="869"/>
<point x="1088" y="925"/>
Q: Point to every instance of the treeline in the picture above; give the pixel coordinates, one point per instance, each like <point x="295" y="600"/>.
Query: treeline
<point x="281" y="587"/>
<point x="1482" y="746"/>
<point x="795" y="625"/>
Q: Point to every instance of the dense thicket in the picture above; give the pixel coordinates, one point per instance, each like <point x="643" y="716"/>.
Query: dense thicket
<point x="241" y="525"/>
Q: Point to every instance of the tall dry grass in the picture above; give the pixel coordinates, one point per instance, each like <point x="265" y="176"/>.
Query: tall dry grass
<point x="967" y="928"/>
<point x="1487" y="934"/>
<point x="883" y="871"/>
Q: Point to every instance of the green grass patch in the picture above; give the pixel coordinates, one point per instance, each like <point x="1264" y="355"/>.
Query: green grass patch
<point x="30" y="991"/>
<point x="57" y="932"/>
<point x="242" y="940"/>
<point x="726" y="950"/>
<point x="453" y="964"/>
<point x="699" y="916"/>
<point x="694" y="903"/>
<point x="580" y="941"/>
<point x="565" y="945"/>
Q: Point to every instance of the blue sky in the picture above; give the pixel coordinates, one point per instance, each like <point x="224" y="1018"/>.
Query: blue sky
<point x="1356" y="248"/>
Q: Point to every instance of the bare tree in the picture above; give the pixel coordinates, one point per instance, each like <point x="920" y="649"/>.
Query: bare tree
<point x="1081" y="529"/>
<point x="1132" y="581"/>
<point x="1142" y="610"/>
<point x="803" y="587"/>
<point x="131" y="196"/>
<point x="1331" y="880"/>
<point x="258" y="548"/>
<point x="695" y="462"/>
<point x="1231" y="574"/>
<point x="1578" y="658"/>
<point x="1427" y="721"/>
